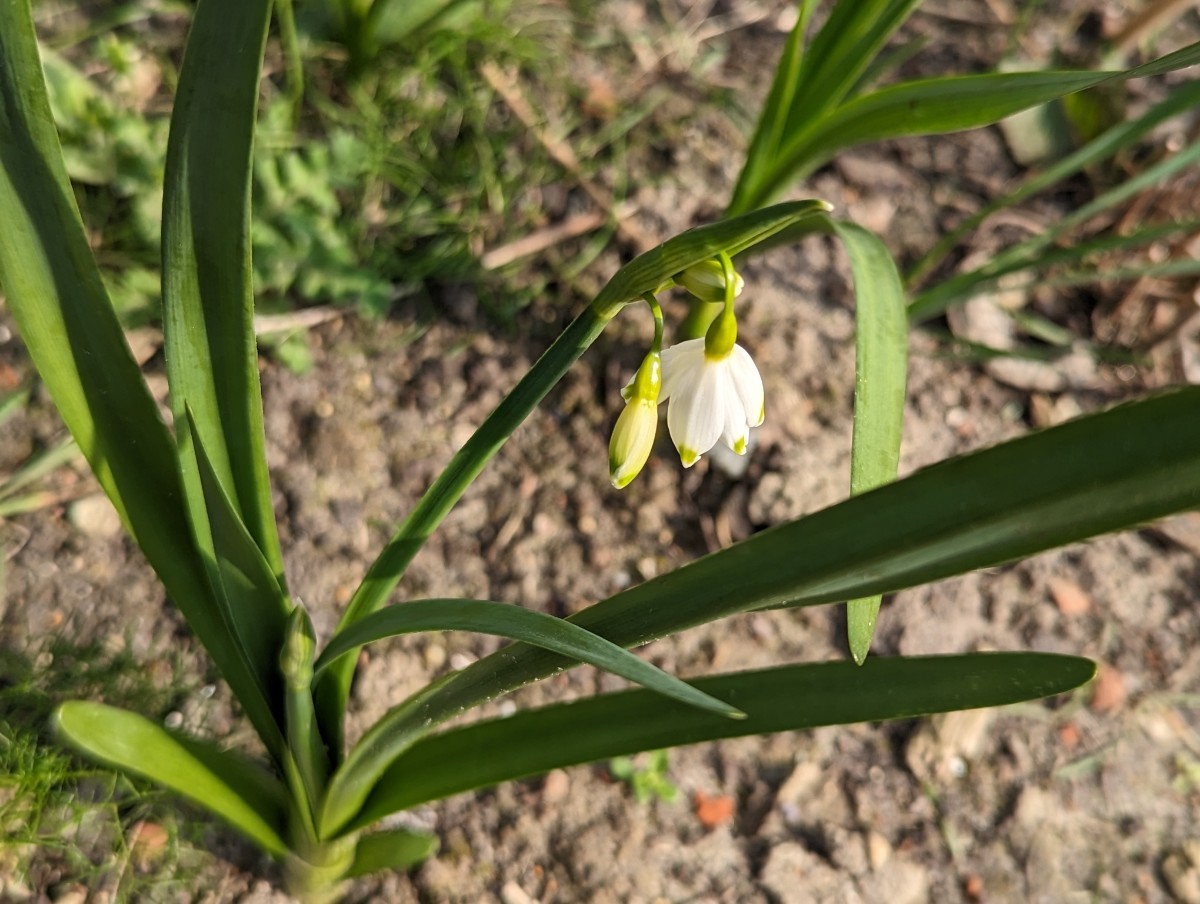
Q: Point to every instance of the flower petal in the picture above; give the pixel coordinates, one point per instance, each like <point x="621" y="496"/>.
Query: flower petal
<point x="678" y="362"/>
<point x="748" y="384"/>
<point x="696" y="415"/>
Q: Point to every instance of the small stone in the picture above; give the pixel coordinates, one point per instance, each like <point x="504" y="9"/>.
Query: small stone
<point x="555" y="786"/>
<point x="434" y="655"/>
<point x="147" y="841"/>
<point x="512" y="893"/>
<point x="713" y="811"/>
<point x="1108" y="690"/>
<point x="794" y="875"/>
<point x="800" y="785"/>
<point x="899" y="882"/>
<point x="879" y="850"/>
<point x="1070" y="598"/>
<point x="1183" y="878"/>
<point x="94" y="516"/>
<point x="1068" y="736"/>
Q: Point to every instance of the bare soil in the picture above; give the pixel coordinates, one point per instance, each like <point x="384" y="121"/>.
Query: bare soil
<point x="1093" y="797"/>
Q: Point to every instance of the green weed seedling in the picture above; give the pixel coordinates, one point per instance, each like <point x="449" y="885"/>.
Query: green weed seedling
<point x="647" y="775"/>
<point x="196" y="497"/>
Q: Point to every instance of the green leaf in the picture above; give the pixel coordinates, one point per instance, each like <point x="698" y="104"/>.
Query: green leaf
<point x="780" y="699"/>
<point x="352" y="781"/>
<point x="254" y="601"/>
<point x="649" y="272"/>
<point x="1182" y="99"/>
<point x="934" y="106"/>
<point x="236" y="789"/>
<point x="515" y="623"/>
<point x="208" y="308"/>
<point x="1101" y="473"/>
<point x="68" y="324"/>
<point x="645" y="273"/>
<point x="881" y="370"/>
<point x="395" y="849"/>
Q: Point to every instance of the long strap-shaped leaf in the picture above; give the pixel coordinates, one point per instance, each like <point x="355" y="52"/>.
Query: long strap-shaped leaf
<point x="880" y="374"/>
<point x="238" y="790"/>
<point x="515" y="623"/>
<point x="934" y="106"/>
<point x="68" y="324"/>
<point x="646" y="273"/>
<point x="212" y="363"/>
<point x="780" y="699"/>
<point x="1102" y="473"/>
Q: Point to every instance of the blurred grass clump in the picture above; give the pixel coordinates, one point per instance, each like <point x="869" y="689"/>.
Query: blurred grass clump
<point x="376" y="176"/>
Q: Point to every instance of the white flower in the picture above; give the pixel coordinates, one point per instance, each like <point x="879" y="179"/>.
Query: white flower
<point x="712" y="397"/>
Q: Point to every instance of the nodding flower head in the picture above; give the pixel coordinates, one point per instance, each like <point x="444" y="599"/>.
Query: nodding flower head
<point x="713" y="390"/>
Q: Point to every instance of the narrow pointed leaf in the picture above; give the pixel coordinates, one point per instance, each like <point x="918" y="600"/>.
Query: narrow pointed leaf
<point x="208" y="308"/>
<point x="780" y="699"/>
<point x="236" y="789"/>
<point x="881" y="371"/>
<point x="56" y="294"/>
<point x="515" y="623"/>
<point x="935" y="106"/>
<point x="255" y="602"/>
<point x="1102" y="473"/>
<point x="1182" y="99"/>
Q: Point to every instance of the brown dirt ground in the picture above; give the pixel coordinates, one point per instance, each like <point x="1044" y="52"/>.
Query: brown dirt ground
<point x="1094" y="797"/>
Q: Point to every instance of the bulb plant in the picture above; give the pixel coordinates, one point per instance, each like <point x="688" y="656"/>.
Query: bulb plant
<point x="196" y="498"/>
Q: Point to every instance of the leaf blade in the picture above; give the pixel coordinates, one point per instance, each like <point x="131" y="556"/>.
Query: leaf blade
<point x="68" y="324"/>
<point x="880" y="375"/>
<point x="1101" y="473"/>
<point x="208" y="306"/>
<point x="833" y="693"/>
<point x="515" y="623"/>
<point x="234" y="788"/>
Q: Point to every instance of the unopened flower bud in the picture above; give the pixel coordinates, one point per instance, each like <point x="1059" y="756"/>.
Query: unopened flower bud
<point x="706" y="280"/>
<point x="633" y="436"/>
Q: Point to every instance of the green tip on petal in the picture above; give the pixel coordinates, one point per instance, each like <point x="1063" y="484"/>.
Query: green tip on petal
<point x="688" y="456"/>
<point x="740" y="446"/>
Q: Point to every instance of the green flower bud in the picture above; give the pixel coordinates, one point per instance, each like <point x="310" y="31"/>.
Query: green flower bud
<point x="633" y="436"/>
<point x="706" y="280"/>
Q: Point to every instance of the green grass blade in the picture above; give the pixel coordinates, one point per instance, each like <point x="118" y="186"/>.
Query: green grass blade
<point x="68" y="325"/>
<point x="648" y="272"/>
<point x="781" y="699"/>
<point x="881" y="370"/>
<point x="935" y="106"/>
<point x="1033" y="254"/>
<point x="236" y="789"/>
<point x="1182" y="99"/>
<point x="1101" y="473"/>
<point x="772" y="121"/>
<point x="208" y="308"/>
<point x="515" y="623"/>
<point x="842" y="51"/>
<point x="808" y="84"/>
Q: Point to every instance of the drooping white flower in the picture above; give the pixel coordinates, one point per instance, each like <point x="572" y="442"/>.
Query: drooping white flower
<point x="712" y="394"/>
